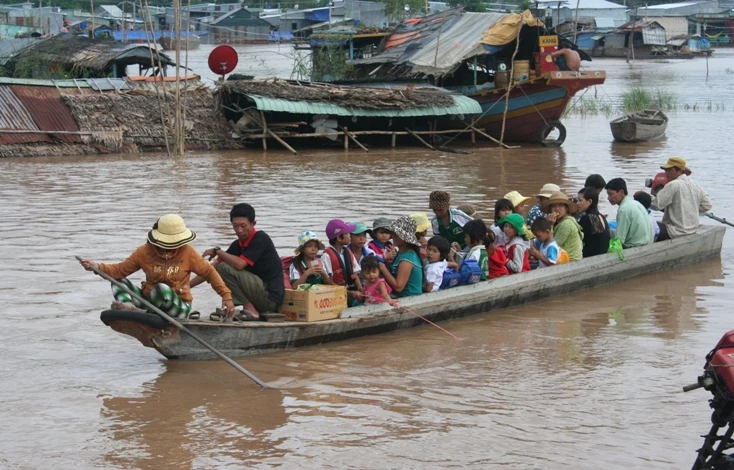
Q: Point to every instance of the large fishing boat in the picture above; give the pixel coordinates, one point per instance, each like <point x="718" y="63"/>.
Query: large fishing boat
<point x="502" y="61"/>
<point x="248" y="338"/>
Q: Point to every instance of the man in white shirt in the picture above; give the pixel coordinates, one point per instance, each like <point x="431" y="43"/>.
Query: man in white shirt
<point x="682" y="199"/>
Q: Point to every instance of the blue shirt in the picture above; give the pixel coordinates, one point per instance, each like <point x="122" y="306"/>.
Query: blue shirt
<point x="414" y="286"/>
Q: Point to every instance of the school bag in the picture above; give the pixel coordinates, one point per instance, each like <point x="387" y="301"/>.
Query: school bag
<point x="451" y="278"/>
<point x="286" y="262"/>
<point x="470" y="272"/>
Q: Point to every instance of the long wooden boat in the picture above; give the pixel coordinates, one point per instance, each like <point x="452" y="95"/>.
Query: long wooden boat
<point x="648" y="124"/>
<point x="535" y="106"/>
<point x="168" y="42"/>
<point x="242" y="339"/>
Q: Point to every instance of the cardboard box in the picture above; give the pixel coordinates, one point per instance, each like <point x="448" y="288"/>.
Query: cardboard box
<point x="319" y="303"/>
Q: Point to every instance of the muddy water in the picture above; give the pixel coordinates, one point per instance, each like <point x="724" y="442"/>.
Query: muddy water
<point x="590" y="380"/>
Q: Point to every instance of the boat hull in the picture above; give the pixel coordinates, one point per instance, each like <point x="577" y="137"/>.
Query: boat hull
<point x="242" y="339"/>
<point x="533" y="104"/>
<point x="628" y="129"/>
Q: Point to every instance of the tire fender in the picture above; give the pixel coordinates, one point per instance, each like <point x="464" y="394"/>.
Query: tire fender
<point x="547" y="128"/>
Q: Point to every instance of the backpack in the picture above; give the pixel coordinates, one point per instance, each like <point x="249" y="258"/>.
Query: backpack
<point x="286" y="262"/>
<point x="450" y="279"/>
<point x="470" y="272"/>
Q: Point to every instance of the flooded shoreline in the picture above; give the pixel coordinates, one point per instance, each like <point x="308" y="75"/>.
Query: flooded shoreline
<point x="586" y="380"/>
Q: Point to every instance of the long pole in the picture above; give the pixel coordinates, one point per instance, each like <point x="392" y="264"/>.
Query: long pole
<point x="718" y="219"/>
<point x="178" y="325"/>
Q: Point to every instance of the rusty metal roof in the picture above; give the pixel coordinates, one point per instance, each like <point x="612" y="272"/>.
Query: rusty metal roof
<point x="14" y="116"/>
<point x="49" y="112"/>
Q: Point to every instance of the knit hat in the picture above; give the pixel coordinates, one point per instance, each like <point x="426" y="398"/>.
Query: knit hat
<point x="548" y="189"/>
<point x="421" y="222"/>
<point x="559" y="198"/>
<point x="516" y="198"/>
<point x="306" y="237"/>
<point x="439" y="200"/>
<point x="405" y="228"/>
<point x="516" y="220"/>
<point x="170" y="232"/>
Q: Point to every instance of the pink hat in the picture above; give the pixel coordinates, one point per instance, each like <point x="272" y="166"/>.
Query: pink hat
<point x="337" y="227"/>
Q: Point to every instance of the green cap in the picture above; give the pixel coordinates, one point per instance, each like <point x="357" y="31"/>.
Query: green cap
<point x="361" y="228"/>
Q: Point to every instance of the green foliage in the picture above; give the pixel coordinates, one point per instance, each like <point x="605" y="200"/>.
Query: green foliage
<point x="330" y="64"/>
<point x="638" y="98"/>
<point x="523" y="5"/>
<point x="469" y="5"/>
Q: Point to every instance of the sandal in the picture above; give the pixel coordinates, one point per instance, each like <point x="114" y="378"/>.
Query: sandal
<point x="217" y="317"/>
<point x="245" y="316"/>
<point x="193" y="315"/>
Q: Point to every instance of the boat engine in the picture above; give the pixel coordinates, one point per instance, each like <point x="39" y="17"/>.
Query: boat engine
<point x="718" y="378"/>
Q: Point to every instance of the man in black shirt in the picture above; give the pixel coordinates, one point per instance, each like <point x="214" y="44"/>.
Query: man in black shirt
<point x="250" y="267"/>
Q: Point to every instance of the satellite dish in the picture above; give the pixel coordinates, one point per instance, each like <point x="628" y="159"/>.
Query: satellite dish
<point x="223" y="60"/>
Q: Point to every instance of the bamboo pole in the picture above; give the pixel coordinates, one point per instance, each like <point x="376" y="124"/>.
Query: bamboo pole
<point x="473" y="133"/>
<point x="394" y="135"/>
<point x="148" y="23"/>
<point x="482" y="133"/>
<point x="349" y="134"/>
<point x="265" y="128"/>
<point x="420" y="139"/>
<point x="509" y="87"/>
<point x="346" y="140"/>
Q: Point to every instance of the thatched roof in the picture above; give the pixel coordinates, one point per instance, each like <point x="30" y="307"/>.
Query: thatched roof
<point x="131" y="121"/>
<point x="364" y="97"/>
<point x="97" y="55"/>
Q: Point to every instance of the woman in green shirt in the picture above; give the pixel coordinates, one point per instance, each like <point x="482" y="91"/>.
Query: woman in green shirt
<point x="406" y="273"/>
<point x="566" y="231"/>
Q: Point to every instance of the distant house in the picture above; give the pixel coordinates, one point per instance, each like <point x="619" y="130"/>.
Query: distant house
<point x="711" y="18"/>
<point x="69" y="56"/>
<point x="594" y="13"/>
<point x="239" y="25"/>
<point x="23" y="19"/>
<point x="635" y="39"/>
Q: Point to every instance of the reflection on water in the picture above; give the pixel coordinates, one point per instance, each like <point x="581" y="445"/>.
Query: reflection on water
<point x="580" y="381"/>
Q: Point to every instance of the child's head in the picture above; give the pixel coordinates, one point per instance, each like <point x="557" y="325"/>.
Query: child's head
<point x="381" y="230"/>
<point x="359" y="235"/>
<point x="308" y="245"/>
<point x="542" y="230"/>
<point x="644" y="199"/>
<point x="438" y="249"/>
<point x="370" y="268"/>
<point x="518" y="201"/>
<point x="513" y="225"/>
<point x="588" y="199"/>
<point x="439" y="202"/>
<point x="475" y="232"/>
<point x="422" y="224"/>
<point x="338" y="231"/>
<point x="502" y="208"/>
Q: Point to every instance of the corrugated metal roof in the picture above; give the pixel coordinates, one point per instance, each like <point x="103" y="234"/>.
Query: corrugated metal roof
<point x="14" y="116"/>
<point x="107" y="84"/>
<point x="80" y="83"/>
<point x="462" y="105"/>
<point x="48" y="111"/>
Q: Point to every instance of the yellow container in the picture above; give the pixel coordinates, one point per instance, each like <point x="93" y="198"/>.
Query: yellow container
<point x="520" y="68"/>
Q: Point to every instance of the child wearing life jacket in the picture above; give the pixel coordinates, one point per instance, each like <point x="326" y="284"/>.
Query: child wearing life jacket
<point x="380" y="243"/>
<point x="306" y="267"/>
<point x="497" y="257"/>
<point x="339" y="263"/>
<point x="358" y="242"/>
<point x="517" y="248"/>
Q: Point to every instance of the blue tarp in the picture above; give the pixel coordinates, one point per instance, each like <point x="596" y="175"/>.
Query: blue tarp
<point x="278" y="36"/>
<point x="142" y="36"/>
<point x="321" y="15"/>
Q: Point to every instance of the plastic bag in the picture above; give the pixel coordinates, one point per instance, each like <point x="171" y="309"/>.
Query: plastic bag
<point x="615" y="246"/>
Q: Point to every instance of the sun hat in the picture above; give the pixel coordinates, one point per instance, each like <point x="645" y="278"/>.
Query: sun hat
<point x="516" y="198"/>
<point x="360" y="228"/>
<point x="170" y="232"/>
<point x="439" y="200"/>
<point x="548" y="189"/>
<point x="516" y="220"/>
<point x="380" y="222"/>
<point x="559" y="198"/>
<point x="467" y="209"/>
<point x="421" y="222"/>
<point x="405" y="228"/>
<point x="338" y="227"/>
<point x="675" y="162"/>
<point x="306" y="237"/>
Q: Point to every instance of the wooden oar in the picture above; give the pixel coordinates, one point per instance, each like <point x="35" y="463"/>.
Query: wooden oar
<point x="718" y="219"/>
<point x="178" y="325"/>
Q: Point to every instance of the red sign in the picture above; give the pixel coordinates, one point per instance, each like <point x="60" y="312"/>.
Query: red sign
<point x="222" y="60"/>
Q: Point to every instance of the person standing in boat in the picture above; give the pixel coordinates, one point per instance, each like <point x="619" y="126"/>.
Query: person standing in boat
<point x="447" y="222"/>
<point x="633" y="223"/>
<point x="250" y="267"/>
<point x="167" y="260"/>
<point x="682" y="199"/>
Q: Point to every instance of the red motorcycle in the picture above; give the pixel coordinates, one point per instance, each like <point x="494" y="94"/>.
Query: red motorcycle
<point x="718" y="378"/>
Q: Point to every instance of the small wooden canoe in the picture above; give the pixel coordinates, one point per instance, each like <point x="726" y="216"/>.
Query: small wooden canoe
<point x="643" y="125"/>
<point x="169" y="42"/>
<point x="242" y="339"/>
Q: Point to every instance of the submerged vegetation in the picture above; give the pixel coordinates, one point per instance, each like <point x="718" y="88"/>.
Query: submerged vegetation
<point x="637" y="99"/>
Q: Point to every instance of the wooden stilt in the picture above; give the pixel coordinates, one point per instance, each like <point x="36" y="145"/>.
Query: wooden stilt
<point x="282" y="142"/>
<point x="346" y="140"/>
<point x="420" y="139"/>
<point x="265" y="129"/>
<point x="473" y="133"/>
<point x="393" y="139"/>
<point x="482" y="133"/>
<point x="349" y="134"/>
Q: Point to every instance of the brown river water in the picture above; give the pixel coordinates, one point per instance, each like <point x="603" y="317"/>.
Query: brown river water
<point x="590" y="380"/>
